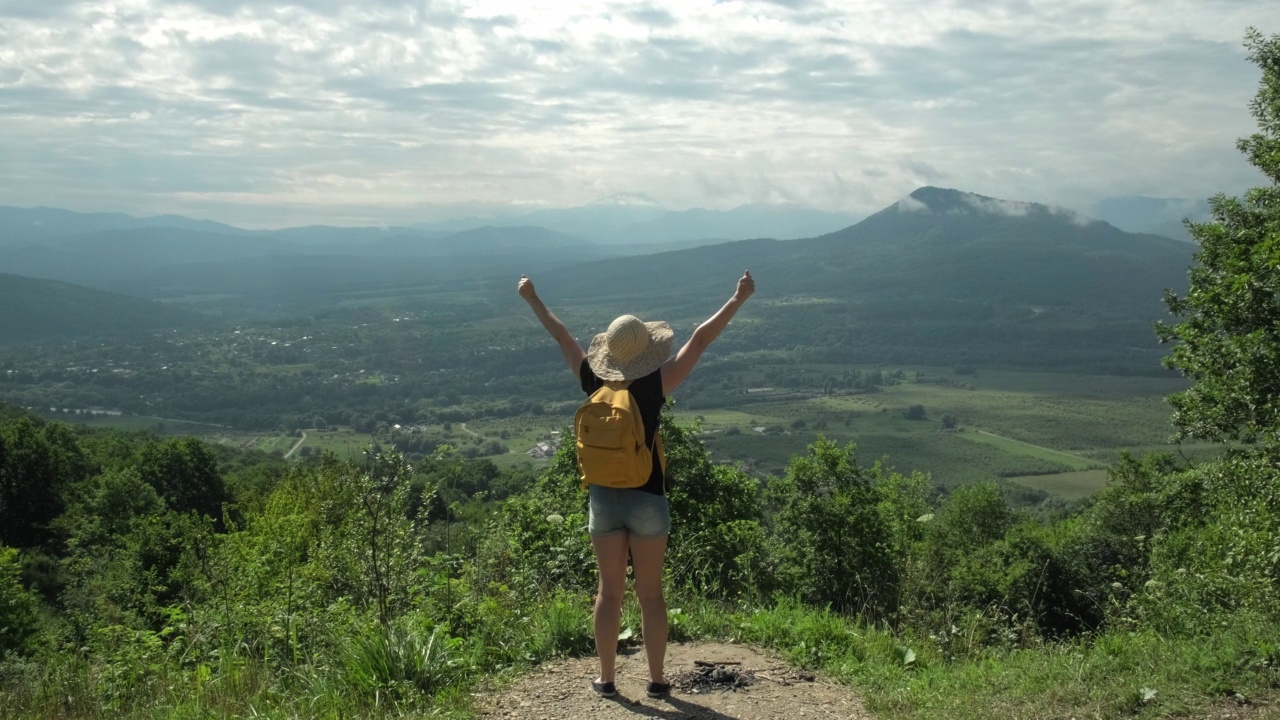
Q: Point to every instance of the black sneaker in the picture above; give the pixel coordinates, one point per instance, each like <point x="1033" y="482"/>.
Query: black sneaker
<point x="606" y="689"/>
<point x="657" y="689"/>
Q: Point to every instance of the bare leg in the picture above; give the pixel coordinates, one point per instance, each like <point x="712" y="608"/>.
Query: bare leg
<point x="611" y="558"/>
<point x="646" y="564"/>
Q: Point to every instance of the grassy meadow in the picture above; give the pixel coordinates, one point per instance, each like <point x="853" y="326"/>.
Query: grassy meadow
<point x="1049" y="432"/>
<point x="1052" y="432"/>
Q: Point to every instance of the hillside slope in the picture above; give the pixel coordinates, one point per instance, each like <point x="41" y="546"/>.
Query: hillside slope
<point x="941" y="276"/>
<point x="36" y="309"/>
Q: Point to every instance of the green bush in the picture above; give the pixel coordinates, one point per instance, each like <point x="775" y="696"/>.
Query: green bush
<point x="402" y="660"/>
<point x="17" y="605"/>
<point x="832" y="544"/>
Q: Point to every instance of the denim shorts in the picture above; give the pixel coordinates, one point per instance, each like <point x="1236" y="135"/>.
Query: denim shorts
<point x="641" y="513"/>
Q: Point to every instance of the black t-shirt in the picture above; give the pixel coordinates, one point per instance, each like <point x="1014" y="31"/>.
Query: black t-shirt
<point x="647" y="392"/>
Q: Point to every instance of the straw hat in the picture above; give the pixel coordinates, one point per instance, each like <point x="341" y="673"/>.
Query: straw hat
<point x="629" y="349"/>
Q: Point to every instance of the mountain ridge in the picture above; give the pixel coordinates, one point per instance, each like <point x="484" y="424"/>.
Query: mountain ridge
<point x="38" y="309"/>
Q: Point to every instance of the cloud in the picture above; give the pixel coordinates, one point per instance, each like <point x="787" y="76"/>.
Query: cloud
<point x="922" y="170"/>
<point x="340" y="109"/>
<point x="909" y="204"/>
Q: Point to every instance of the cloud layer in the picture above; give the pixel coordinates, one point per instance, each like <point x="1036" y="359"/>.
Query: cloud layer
<point x="264" y="113"/>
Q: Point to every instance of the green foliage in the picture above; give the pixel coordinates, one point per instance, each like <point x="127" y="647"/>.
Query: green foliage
<point x="1217" y="548"/>
<point x="17" y="605"/>
<point x="1229" y="338"/>
<point x="716" y="545"/>
<point x="832" y="543"/>
<point x="400" y="661"/>
<point x="38" y="462"/>
<point x="185" y="473"/>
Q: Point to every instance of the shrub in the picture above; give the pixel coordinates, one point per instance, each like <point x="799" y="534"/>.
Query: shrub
<point x="832" y="543"/>
<point x="17" y="605"/>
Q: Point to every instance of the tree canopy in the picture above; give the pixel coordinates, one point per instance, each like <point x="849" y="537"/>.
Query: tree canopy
<point x="1228" y="337"/>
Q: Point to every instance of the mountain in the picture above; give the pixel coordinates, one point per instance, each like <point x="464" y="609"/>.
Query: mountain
<point x="478" y="241"/>
<point x="629" y="219"/>
<point x="28" y="226"/>
<point x="635" y="219"/>
<point x="780" y="222"/>
<point x="941" y="276"/>
<point x="100" y="259"/>
<point x="37" y="309"/>
<point x="325" y="238"/>
<point x="600" y="221"/>
<point x="1158" y="216"/>
<point x="307" y="262"/>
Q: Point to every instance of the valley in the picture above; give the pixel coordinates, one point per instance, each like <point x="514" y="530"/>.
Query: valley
<point x="1004" y="325"/>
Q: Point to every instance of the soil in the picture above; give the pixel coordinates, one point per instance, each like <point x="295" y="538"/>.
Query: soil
<point x="710" y="681"/>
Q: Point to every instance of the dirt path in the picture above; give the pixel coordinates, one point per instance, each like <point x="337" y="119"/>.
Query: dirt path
<point x="711" y="682"/>
<point x="296" y="445"/>
<point x="1039" y="447"/>
<point x="469" y="432"/>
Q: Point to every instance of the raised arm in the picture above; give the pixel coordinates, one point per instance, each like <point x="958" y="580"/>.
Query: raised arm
<point x="573" y="353"/>
<point x="678" y="368"/>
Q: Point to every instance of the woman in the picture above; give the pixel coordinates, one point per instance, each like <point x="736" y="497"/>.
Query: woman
<point x="633" y="354"/>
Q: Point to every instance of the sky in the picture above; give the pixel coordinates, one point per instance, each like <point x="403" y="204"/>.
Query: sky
<point x="267" y="114"/>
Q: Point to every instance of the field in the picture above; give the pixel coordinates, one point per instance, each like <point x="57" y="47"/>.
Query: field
<point x="1048" y="432"/>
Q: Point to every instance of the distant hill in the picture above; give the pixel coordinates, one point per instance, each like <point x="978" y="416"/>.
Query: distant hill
<point x="631" y="219"/>
<point x="37" y="309"/>
<point x="27" y="226"/>
<point x="308" y="262"/>
<point x="478" y="241"/>
<point x="942" y="275"/>
<point x="101" y="259"/>
<point x="1157" y="216"/>
<point x="599" y="221"/>
<point x="340" y="240"/>
<point x="780" y="222"/>
<point x="309" y="277"/>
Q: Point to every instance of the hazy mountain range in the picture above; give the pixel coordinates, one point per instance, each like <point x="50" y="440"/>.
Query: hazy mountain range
<point x="1157" y="216"/>
<point x="941" y="275"/>
<point x="955" y="246"/>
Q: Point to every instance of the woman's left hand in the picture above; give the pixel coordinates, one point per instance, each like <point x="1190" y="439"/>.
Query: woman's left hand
<point x="525" y="288"/>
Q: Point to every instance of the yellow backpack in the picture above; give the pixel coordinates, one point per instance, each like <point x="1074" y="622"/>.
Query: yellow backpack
<point x="610" y="441"/>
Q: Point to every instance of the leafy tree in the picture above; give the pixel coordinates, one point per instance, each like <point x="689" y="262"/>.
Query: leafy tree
<point x="949" y="422"/>
<point x="716" y="543"/>
<point x="17" y="604"/>
<point x="1228" y="339"/>
<point x="915" y="412"/>
<point x="974" y="515"/>
<point x="37" y="463"/>
<point x="832" y="540"/>
<point x="185" y="473"/>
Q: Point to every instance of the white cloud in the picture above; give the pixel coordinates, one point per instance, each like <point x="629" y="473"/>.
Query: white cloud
<point x="328" y="110"/>
<point x="909" y="204"/>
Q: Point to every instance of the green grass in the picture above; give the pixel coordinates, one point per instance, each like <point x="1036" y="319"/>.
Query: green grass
<point x="133" y="423"/>
<point x="1093" y="677"/>
<point x="1018" y="447"/>
<point x="1014" y="423"/>
<point x="1072" y="485"/>
<point x="344" y="443"/>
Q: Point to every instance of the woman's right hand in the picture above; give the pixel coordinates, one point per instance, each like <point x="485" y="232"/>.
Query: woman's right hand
<point x="746" y="286"/>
